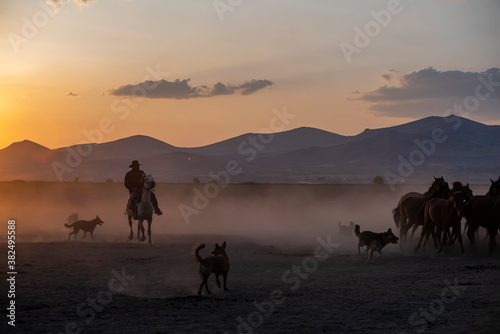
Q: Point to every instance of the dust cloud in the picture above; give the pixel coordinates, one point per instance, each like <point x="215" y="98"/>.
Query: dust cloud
<point x="284" y="213"/>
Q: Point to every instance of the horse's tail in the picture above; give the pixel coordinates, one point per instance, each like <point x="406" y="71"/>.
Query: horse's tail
<point x="396" y="214"/>
<point x="69" y="226"/>
<point x="196" y="249"/>
<point x="357" y="230"/>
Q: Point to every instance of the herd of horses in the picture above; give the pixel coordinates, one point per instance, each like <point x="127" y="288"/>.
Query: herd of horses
<point x="439" y="212"/>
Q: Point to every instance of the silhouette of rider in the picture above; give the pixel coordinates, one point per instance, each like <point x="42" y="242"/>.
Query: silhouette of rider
<point x="134" y="183"/>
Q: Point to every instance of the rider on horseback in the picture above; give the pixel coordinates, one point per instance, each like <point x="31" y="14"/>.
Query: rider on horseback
<point x="133" y="182"/>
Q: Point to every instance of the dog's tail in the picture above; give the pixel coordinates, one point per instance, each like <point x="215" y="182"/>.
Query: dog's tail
<point x="196" y="249"/>
<point x="68" y="225"/>
<point x="357" y="230"/>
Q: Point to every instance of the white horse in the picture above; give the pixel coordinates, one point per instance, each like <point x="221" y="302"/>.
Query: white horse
<point x="144" y="210"/>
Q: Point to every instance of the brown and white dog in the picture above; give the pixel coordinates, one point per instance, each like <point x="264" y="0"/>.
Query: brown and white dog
<point x="374" y="241"/>
<point x="218" y="264"/>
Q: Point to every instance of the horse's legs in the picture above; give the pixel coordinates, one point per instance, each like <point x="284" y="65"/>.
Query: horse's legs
<point x="492" y="231"/>
<point x="138" y="230"/>
<point x="429" y="230"/>
<point x="150" y="221"/>
<point x="141" y="224"/>
<point x="75" y="233"/>
<point x="471" y="232"/>
<point x="131" y="235"/>
<point x="217" y="279"/>
<point x="92" y="234"/>
<point x="404" y="230"/>
<point x="84" y="234"/>
<point x="436" y="236"/>
<point x="444" y="237"/>
<point x="406" y="224"/>
<point x="414" y="229"/>
<point x="458" y="235"/>
<point x="422" y="234"/>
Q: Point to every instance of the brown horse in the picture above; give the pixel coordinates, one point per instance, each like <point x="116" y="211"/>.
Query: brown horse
<point x="484" y="211"/>
<point x="466" y="194"/>
<point x="410" y="209"/>
<point x="441" y="215"/>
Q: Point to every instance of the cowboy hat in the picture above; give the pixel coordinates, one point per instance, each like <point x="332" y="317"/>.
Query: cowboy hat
<point x="135" y="163"/>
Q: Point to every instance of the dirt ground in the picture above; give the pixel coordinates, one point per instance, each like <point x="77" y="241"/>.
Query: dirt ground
<point x="290" y="270"/>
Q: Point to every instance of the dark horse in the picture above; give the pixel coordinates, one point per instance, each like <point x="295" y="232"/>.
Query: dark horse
<point x="441" y="215"/>
<point x="484" y="210"/>
<point x="410" y="209"/>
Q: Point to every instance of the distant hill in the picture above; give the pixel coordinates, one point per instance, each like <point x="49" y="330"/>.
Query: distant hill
<point x="137" y="146"/>
<point x="466" y="150"/>
<point x="281" y="142"/>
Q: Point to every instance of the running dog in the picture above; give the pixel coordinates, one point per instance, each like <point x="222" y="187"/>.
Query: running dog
<point x="85" y="226"/>
<point x="374" y="241"/>
<point x="217" y="264"/>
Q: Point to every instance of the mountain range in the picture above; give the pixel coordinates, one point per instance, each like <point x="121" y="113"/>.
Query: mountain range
<point x="454" y="147"/>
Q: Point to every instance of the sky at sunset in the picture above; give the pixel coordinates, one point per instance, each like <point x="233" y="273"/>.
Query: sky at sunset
<point x="195" y="72"/>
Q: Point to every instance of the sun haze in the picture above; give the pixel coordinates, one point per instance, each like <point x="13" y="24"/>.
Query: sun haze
<point x="195" y="72"/>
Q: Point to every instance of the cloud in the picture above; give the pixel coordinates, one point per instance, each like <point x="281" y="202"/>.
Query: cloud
<point x="180" y="89"/>
<point x="250" y="87"/>
<point x="429" y="92"/>
<point x="386" y="77"/>
<point x="72" y="94"/>
<point x="221" y="89"/>
<point x="57" y="4"/>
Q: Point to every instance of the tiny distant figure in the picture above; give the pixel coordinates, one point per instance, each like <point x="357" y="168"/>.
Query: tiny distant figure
<point x="346" y="230"/>
<point x="85" y="226"/>
<point x="134" y="183"/>
<point x="72" y="218"/>
<point x="374" y="241"/>
<point x="218" y="264"/>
